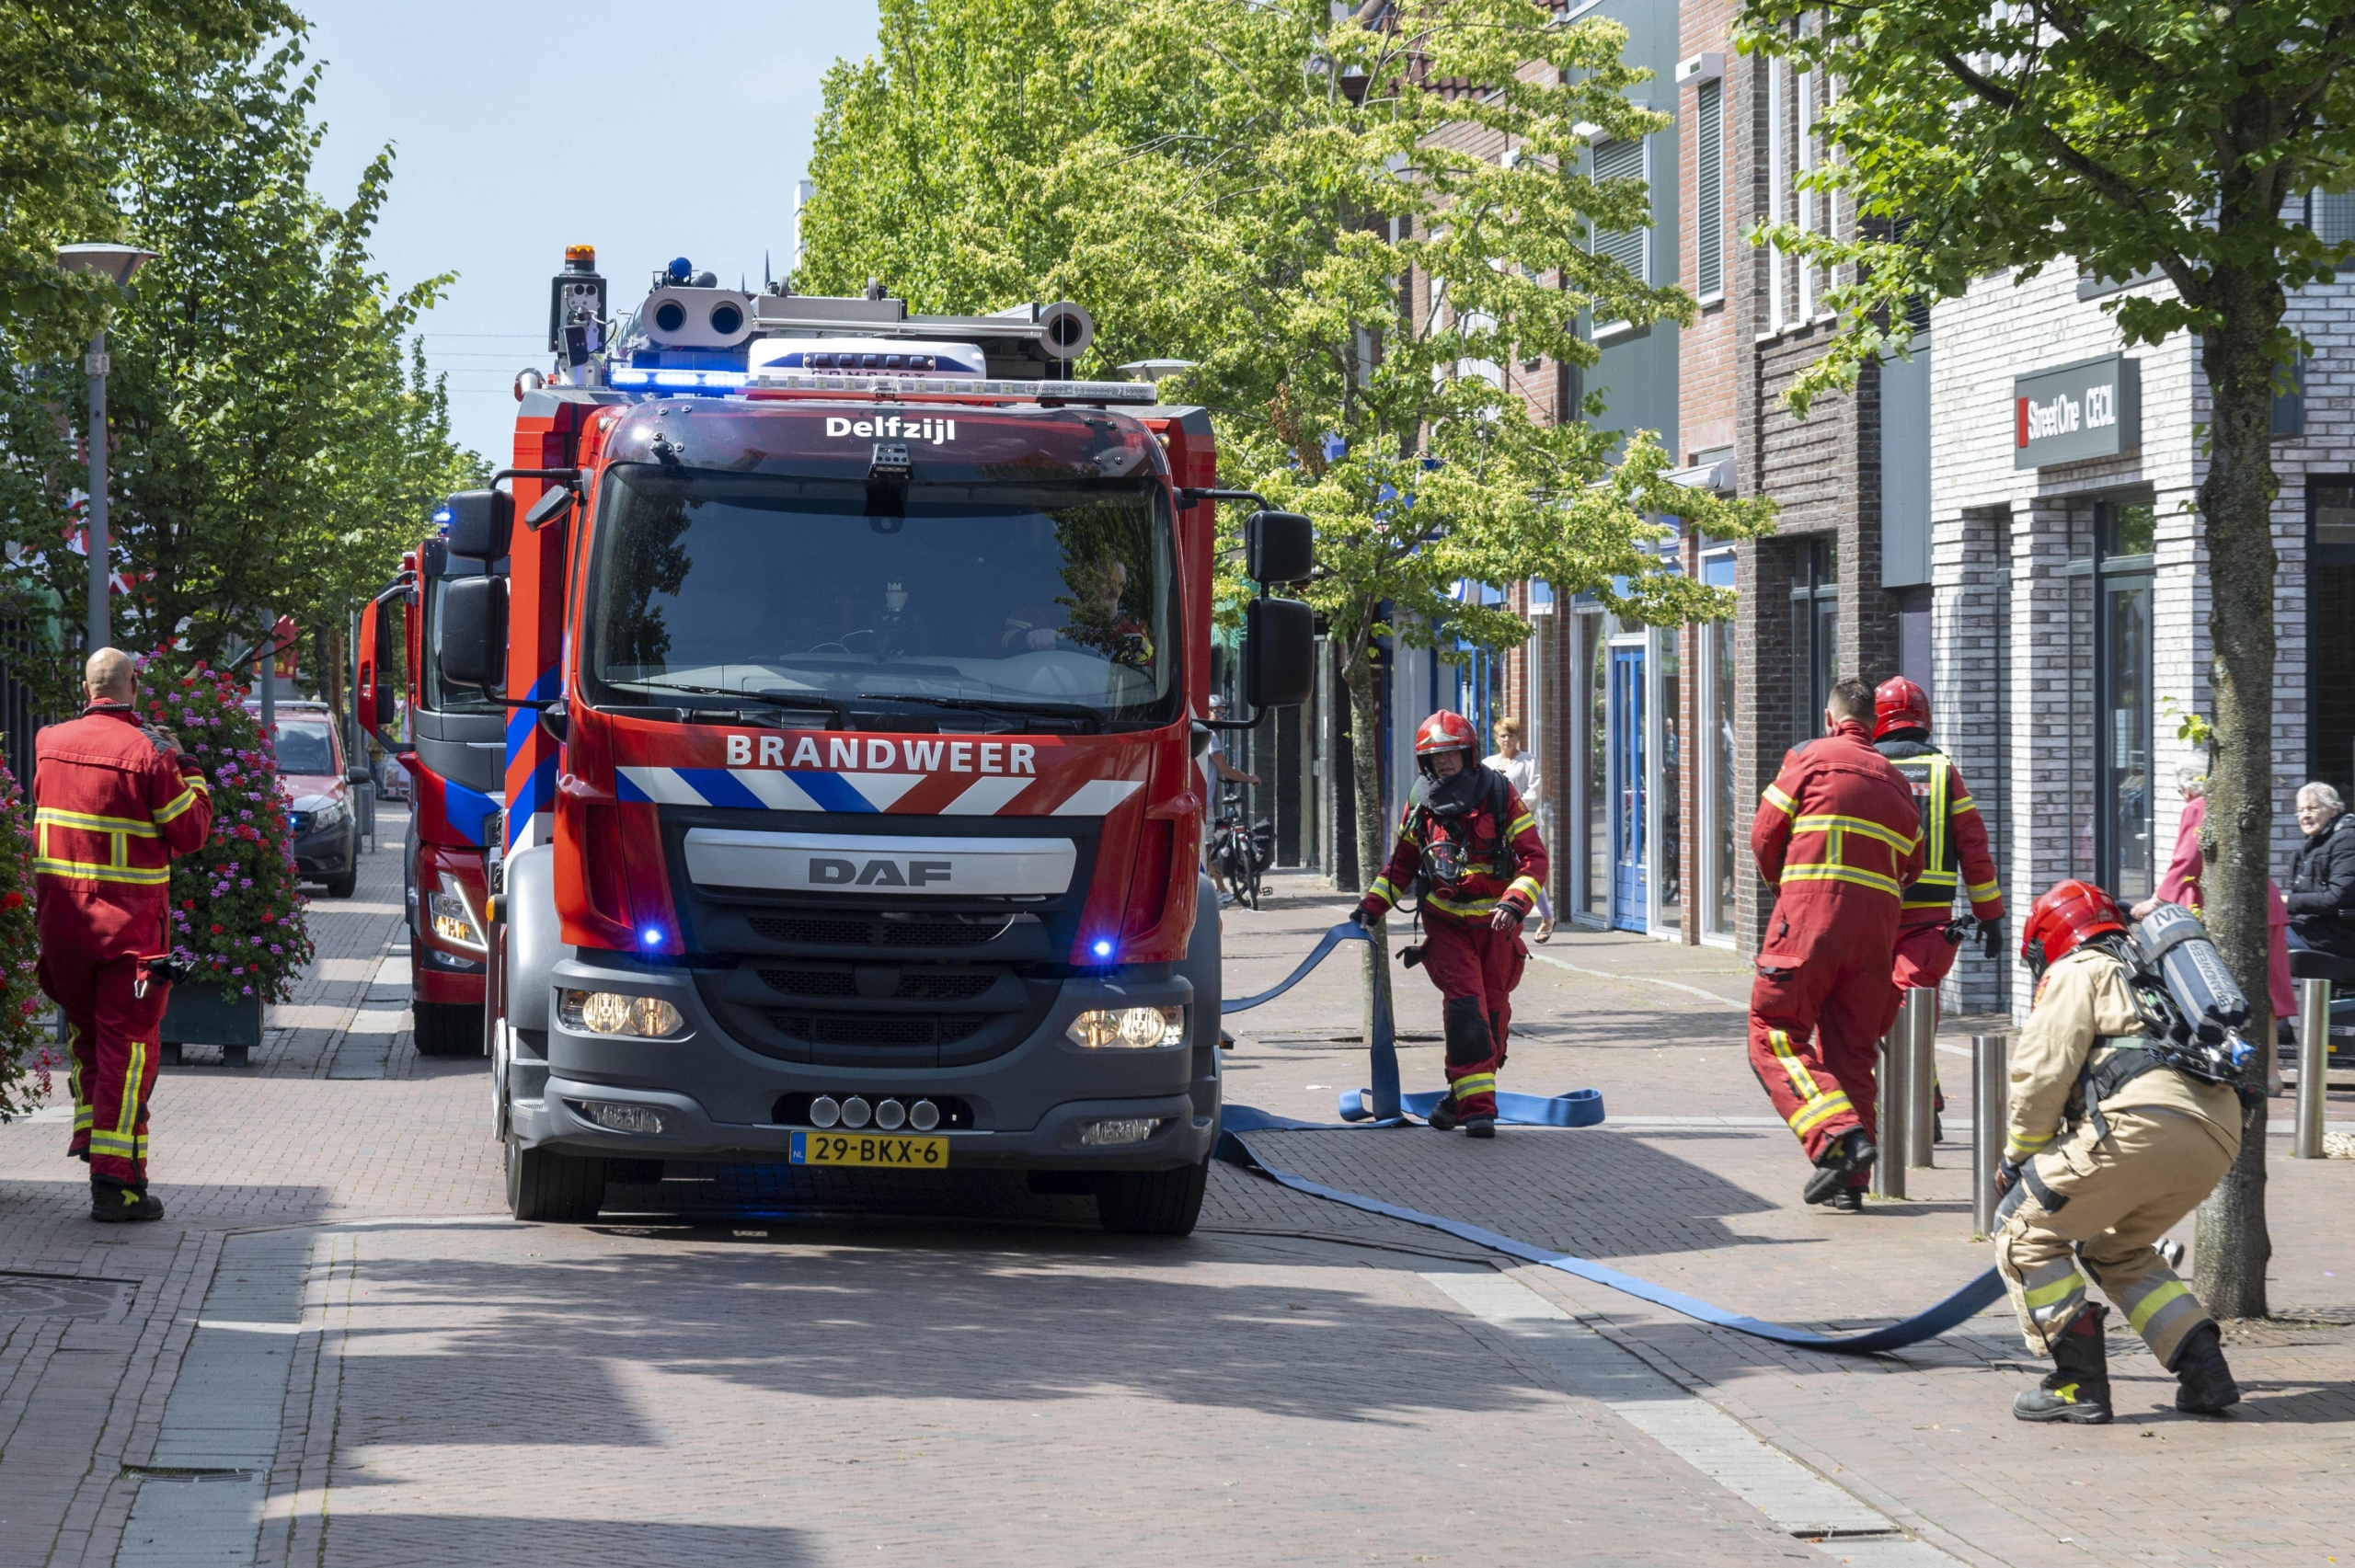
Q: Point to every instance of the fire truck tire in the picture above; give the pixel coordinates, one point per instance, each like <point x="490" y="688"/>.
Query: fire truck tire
<point x="546" y="1184"/>
<point x="343" y="886"/>
<point x="447" y="1028"/>
<point x="1151" y="1203"/>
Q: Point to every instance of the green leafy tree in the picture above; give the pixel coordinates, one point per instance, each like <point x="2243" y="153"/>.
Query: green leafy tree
<point x="2133" y="140"/>
<point x="1314" y="212"/>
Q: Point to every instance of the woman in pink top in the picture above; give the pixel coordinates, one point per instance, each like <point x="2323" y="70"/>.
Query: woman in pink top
<point x="2181" y="886"/>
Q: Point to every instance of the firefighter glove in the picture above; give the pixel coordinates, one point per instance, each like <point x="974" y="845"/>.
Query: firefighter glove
<point x="2006" y="1173"/>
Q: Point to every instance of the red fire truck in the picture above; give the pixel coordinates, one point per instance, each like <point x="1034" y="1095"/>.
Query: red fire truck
<point x="454" y="752"/>
<point x="850" y="805"/>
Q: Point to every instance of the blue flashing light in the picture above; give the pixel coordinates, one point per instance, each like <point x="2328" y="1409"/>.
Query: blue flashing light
<point x="650" y="937"/>
<point x="442" y="519"/>
<point x="681" y="270"/>
<point x="681" y="380"/>
<point x="1101" y="947"/>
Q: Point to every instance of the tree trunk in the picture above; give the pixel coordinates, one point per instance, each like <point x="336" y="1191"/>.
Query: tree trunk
<point x="1372" y="820"/>
<point x="2236" y="506"/>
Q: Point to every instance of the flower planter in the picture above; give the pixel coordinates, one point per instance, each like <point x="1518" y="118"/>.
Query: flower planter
<point x="200" y="1014"/>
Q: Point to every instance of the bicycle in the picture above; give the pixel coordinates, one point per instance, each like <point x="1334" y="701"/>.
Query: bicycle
<point x="1239" y="853"/>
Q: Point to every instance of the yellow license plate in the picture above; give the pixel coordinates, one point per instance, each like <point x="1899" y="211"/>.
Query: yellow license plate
<point x="898" y="1151"/>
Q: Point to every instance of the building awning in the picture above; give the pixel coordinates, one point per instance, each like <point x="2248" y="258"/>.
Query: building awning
<point x="1718" y="476"/>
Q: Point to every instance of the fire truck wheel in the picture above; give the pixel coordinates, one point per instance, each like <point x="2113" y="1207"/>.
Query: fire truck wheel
<point x="542" y="1183"/>
<point x="343" y="886"/>
<point x="447" y="1028"/>
<point x="1151" y="1203"/>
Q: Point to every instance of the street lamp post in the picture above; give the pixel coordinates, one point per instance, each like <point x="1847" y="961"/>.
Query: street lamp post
<point x="116" y="263"/>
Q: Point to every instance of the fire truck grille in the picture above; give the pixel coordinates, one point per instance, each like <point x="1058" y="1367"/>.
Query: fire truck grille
<point x="911" y="985"/>
<point x="878" y="1029"/>
<point x="866" y="931"/>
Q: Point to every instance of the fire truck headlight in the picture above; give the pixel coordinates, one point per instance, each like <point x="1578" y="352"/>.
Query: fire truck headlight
<point x="453" y="918"/>
<point x="1133" y="1029"/>
<point x="611" y="1013"/>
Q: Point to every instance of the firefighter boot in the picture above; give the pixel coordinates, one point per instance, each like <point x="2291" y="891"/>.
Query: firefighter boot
<point x="1479" y="1126"/>
<point x="1442" y="1114"/>
<point x="111" y="1203"/>
<point x="1849" y="1200"/>
<point x="1850" y="1152"/>
<point x="2207" y="1383"/>
<point x="2077" y="1389"/>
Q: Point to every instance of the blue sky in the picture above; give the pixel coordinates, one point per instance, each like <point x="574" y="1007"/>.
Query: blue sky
<point x="522" y="126"/>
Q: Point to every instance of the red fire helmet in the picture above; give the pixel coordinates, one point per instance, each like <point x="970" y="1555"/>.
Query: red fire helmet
<point x="2069" y="914"/>
<point x="1898" y="704"/>
<point x="1445" y="731"/>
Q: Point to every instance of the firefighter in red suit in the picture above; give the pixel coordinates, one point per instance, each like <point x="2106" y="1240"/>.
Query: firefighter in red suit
<point x="114" y="800"/>
<point x="1466" y="832"/>
<point x="1954" y="839"/>
<point x="1838" y="836"/>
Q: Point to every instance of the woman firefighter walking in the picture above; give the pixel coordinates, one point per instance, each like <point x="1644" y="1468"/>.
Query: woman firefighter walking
<point x="1472" y="845"/>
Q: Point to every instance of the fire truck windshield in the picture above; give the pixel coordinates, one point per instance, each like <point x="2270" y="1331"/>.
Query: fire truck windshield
<point x="1054" y="595"/>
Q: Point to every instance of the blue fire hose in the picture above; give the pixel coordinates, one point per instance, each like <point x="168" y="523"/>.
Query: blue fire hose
<point x="1381" y="1106"/>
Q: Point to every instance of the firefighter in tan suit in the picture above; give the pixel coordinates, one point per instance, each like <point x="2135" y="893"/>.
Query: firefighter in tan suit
<point x="2105" y="1174"/>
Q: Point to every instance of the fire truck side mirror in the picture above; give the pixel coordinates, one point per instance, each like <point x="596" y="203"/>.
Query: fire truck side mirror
<point x="1279" y="547"/>
<point x="480" y="523"/>
<point x="1278" y="652"/>
<point x="474" y="633"/>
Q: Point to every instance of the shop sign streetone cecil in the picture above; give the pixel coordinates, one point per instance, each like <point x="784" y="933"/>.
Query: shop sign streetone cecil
<point x="2091" y="409"/>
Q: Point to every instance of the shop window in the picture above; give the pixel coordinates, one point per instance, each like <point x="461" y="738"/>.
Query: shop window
<point x="1669" y="787"/>
<point x="2111" y="791"/>
<point x="1591" y="735"/>
<point x="1815" y="635"/>
<point x="2330" y="610"/>
<point x="1722" y="815"/>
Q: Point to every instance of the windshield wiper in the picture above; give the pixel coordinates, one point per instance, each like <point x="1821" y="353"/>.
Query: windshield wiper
<point x="1086" y="716"/>
<point x="778" y="699"/>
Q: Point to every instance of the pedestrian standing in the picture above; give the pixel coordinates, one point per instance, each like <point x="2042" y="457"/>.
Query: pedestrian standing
<point x="2180" y="884"/>
<point x="1519" y="766"/>
<point x="1467" y="840"/>
<point x="2322" y="877"/>
<point x="114" y="800"/>
<point x="2114" y="1148"/>
<point x="1837" y="835"/>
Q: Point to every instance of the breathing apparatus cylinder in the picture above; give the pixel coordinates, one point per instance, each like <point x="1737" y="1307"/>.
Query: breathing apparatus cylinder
<point x="2175" y="944"/>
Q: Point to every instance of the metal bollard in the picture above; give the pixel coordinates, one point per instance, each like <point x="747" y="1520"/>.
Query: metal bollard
<point x="1917" y="1025"/>
<point x="2313" y="1068"/>
<point x="1990" y="1098"/>
<point x="1889" y="1114"/>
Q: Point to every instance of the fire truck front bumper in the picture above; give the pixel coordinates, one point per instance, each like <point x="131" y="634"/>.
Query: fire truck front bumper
<point x="1046" y="1103"/>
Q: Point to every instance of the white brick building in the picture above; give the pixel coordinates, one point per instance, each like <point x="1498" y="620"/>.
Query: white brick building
<point x="2070" y="599"/>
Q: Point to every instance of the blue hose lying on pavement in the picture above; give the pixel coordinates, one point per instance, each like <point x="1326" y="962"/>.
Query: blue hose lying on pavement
<point x="1381" y="1106"/>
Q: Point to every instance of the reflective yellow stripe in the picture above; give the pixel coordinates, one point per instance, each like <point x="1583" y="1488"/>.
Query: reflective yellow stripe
<point x="2174" y="1289"/>
<point x="1961" y="804"/>
<point x="1524" y="884"/>
<point x="1519" y="824"/>
<point x="152" y="876"/>
<point x="1984" y="892"/>
<point x="179" y="805"/>
<point x="1474" y="1083"/>
<point x="2073" y="1284"/>
<point x="1901" y="842"/>
<point x="1818" y="1111"/>
<point x="1873" y="879"/>
<point x="1383" y="889"/>
<point x="1779" y="1042"/>
<point x="1779" y="801"/>
<point x="54" y="816"/>
<point x="2019" y="1149"/>
<point x="1466" y="908"/>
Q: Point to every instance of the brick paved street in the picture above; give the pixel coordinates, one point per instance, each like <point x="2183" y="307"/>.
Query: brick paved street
<point x="336" y="1349"/>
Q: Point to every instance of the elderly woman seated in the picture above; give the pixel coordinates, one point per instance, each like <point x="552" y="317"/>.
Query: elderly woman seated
<point x="2322" y="877"/>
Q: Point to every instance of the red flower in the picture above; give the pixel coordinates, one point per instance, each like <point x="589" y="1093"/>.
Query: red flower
<point x="216" y="930"/>
<point x="12" y="901"/>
